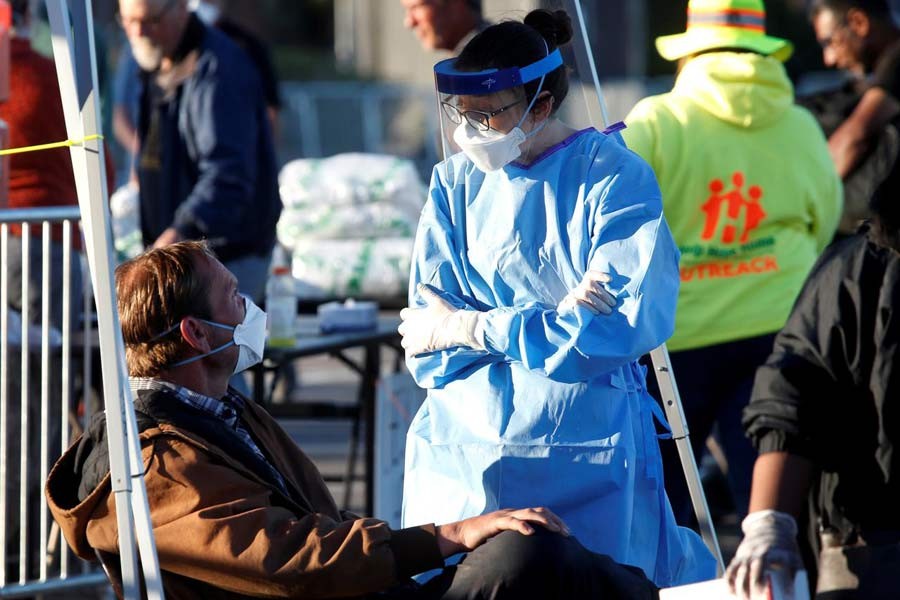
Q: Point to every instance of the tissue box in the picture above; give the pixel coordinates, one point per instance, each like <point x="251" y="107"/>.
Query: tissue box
<point x="347" y="316"/>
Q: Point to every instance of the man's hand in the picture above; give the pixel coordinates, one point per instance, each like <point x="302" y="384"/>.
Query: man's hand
<point x="437" y="326"/>
<point x="590" y="294"/>
<point x="167" y="237"/>
<point x="770" y="540"/>
<point x="464" y="536"/>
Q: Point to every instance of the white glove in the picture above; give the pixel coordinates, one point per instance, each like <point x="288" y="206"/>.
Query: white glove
<point x="439" y="325"/>
<point x="770" y="542"/>
<point x="590" y="294"/>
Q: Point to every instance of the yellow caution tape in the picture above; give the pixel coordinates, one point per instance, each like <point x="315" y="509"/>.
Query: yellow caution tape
<point x="65" y="144"/>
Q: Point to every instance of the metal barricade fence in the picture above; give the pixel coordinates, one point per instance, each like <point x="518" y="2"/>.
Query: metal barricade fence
<point x="41" y="409"/>
<point x="323" y="118"/>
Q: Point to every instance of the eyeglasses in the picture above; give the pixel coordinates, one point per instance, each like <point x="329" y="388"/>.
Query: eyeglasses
<point x="149" y="22"/>
<point x="478" y="119"/>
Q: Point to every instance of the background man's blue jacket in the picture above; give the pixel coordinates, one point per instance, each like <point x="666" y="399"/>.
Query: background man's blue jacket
<point x="217" y="169"/>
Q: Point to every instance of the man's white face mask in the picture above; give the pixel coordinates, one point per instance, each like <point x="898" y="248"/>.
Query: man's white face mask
<point x="147" y="54"/>
<point x="249" y="336"/>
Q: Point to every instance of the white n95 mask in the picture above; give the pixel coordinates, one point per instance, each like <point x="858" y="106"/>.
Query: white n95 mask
<point x="491" y="150"/>
<point x="249" y="336"/>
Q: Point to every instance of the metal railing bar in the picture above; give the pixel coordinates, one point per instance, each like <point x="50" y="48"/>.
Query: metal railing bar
<point x="51" y="214"/>
<point x="55" y="585"/>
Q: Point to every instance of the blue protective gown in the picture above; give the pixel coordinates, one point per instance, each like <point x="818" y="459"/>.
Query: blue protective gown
<point x="555" y="412"/>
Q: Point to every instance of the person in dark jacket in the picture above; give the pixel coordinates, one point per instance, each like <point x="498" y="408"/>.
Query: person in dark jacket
<point x="239" y="511"/>
<point x="127" y="75"/>
<point x="860" y="38"/>
<point x="206" y="164"/>
<point x="824" y="418"/>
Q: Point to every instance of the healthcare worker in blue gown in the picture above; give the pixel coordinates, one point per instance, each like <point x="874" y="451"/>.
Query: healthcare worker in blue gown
<point x="543" y="269"/>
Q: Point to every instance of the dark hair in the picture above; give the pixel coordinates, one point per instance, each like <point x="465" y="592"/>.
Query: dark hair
<point x="474" y="6"/>
<point x="156" y="290"/>
<point x="877" y="9"/>
<point x="514" y="44"/>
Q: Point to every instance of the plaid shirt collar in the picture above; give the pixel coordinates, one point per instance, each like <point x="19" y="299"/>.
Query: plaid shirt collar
<point x="227" y="409"/>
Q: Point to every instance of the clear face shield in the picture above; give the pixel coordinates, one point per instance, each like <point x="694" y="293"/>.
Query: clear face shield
<point x="487" y="115"/>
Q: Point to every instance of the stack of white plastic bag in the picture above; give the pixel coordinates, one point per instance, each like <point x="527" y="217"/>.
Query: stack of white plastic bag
<point x="349" y="222"/>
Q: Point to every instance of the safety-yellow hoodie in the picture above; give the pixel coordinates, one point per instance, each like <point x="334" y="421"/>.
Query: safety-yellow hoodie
<point x="749" y="191"/>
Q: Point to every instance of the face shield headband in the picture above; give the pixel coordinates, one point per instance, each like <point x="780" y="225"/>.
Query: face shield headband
<point x="468" y="83"/>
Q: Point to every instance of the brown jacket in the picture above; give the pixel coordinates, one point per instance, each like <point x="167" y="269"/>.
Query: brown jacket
<point x="222" y="530"/>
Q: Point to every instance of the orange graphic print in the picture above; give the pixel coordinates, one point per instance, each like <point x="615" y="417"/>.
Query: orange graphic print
<point x="735" y="203"/>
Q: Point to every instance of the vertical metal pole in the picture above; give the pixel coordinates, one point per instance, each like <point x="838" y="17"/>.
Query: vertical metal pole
<point x="73" y="49"/>
<point x="43" y="526"/>
<point x="370" y="378"/>
<point x="87" y="361"/>
<point x="373" y="132"/>
<point x="345" y="33"/>
<point x="310" y="136"/>
<point x="23" y="405"/>
<point x="675" y="415"/>
<point x="4" y="393"/>
<point x="87" y="347"/>
<point x="66" y="401"/>
<point x="636" y="54"/>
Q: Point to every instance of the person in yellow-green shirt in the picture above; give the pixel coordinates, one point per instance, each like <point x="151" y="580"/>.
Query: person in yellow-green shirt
<point x="752" y="198"/>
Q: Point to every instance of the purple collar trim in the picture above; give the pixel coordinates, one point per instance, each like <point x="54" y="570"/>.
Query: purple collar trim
<point x="552" y="149"/>
<point x="617" y="126"/>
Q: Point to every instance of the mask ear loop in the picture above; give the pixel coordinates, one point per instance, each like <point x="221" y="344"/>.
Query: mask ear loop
<point x="200" y="356"/>
<point x="211" y="352"/>
<point x="536" y="94"/>
<point x="225" y="346"/>
<point x="165" y="333"/>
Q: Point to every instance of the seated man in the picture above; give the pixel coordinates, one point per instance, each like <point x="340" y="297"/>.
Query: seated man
<point x="239" y="511"/>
